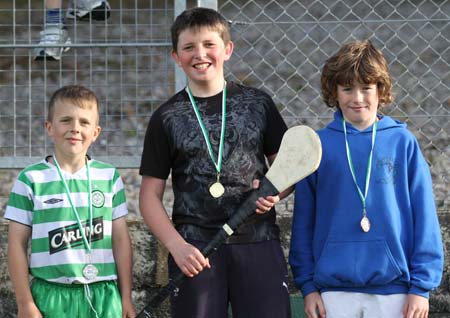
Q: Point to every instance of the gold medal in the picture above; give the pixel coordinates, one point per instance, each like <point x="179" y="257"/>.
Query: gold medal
<point x="216" y="189"/>
<point x="365" y="224"/>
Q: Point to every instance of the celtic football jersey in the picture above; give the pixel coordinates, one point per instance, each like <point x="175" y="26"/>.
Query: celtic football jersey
<point x="39" y="200"/>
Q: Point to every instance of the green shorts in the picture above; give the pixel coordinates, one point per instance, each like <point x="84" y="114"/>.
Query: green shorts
<point x="56" y="300"/>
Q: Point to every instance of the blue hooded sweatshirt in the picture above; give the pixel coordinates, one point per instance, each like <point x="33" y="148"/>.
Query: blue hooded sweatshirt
<point x="402" y="252"/>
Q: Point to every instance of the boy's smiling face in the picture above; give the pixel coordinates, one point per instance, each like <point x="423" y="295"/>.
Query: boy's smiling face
<point x="201" y="54"/>
<point x="73" y="129"/>
<point x="358" y="103"/>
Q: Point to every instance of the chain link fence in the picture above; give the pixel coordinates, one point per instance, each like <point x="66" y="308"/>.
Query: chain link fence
<point x="280" y="46"/>
<point x="125" y="60"/>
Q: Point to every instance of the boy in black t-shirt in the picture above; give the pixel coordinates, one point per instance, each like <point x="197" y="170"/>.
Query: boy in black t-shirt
<point x="214" y="138"/>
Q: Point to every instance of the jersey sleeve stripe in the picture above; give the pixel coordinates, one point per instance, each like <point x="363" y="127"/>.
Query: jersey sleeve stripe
<point x="18" y="215"/>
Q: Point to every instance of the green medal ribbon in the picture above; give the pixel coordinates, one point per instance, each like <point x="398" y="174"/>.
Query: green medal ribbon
<point x="218" y="163"/>
<point x="362" y="196"/>
<point x="74" y="210"/>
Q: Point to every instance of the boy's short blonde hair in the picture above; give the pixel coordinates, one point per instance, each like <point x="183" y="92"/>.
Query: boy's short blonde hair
<point x="197" y="18"/>
<point x="358" y="61"/>
<point x="76" y="94"/>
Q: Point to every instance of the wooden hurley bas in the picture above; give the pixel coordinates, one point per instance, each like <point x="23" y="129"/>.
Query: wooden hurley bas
<point x="299" y="156"/>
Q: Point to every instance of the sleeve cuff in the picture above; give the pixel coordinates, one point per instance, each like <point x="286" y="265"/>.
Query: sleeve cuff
<point x="308" y="288"/>
<point x="419" y="291"/>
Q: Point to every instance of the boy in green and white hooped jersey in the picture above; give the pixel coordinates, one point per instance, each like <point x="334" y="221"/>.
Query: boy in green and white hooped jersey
<point x="72" y="207"/>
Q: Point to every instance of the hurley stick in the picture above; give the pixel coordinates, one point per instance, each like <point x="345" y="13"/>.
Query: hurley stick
<point x="299" y="156"/>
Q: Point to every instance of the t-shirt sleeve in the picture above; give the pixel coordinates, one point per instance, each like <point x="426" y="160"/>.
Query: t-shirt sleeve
<point x="156" y="156"/>
<point x="119" y="203"/>
<point x="20" y="203"/>
<point x="276" y="127"/>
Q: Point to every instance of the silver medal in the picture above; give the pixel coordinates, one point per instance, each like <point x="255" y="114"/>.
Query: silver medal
<point x="90" y="272"/>
<point x="365" y="224"/>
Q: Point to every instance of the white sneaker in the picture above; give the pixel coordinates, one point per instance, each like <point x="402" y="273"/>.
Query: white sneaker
<point x="88" y="9"/>
<point x="52" y="35"/>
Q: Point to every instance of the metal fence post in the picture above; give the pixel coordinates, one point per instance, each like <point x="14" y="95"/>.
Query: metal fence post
<point x="180" y="77"/>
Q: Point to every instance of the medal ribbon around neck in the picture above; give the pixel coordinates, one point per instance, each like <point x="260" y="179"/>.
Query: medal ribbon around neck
<point x="366" y="226"/>
<point x="74" y="210"/>
<point x="218" y="163"/>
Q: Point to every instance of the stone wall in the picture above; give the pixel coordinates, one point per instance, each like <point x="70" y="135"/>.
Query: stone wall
<point x="149" y="271"/>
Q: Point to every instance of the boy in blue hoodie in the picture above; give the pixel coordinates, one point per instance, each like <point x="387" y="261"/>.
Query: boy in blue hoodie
<point x="365" y="236"/>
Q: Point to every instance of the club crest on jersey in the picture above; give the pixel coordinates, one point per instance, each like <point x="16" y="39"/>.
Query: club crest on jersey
<point x="98" y="198"/>
<point x="70" y="236"/>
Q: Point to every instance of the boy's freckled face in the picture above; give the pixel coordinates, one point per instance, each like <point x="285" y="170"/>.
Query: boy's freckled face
<point x="201" y="53"/>
<point x="73" y="129"/>
<point x="358" y="103"/>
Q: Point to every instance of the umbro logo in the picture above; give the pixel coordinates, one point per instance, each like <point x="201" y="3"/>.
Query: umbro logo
<point x="53" y="201"/>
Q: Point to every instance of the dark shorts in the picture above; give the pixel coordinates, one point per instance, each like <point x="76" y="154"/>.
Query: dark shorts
<point x="252" y="278"/>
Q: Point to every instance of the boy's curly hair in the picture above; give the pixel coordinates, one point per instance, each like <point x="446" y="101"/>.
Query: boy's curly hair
<point x="358" y="61"/>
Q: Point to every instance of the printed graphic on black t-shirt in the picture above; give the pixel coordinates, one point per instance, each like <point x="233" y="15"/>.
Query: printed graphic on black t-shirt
<point x="254" y="129"/>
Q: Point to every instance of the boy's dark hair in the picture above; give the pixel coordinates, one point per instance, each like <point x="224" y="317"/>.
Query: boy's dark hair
<point x="358" y="61"/>
<point x="76" y="94"/>
<point x="196" y="18"/>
